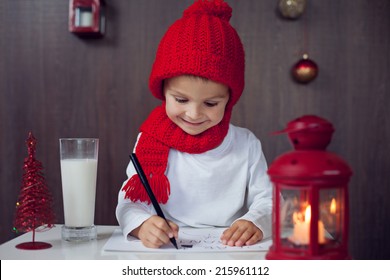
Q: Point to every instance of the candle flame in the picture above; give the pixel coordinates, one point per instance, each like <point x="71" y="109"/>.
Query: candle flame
<point x="333" y="206"/>
<point x="299" y="217"/>
<point x="308" y="214"/>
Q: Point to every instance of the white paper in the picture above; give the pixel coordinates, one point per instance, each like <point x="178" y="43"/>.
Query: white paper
<point x="190" y="240"/>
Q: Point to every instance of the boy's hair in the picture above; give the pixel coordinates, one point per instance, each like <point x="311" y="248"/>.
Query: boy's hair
<point x="201" y="43"/>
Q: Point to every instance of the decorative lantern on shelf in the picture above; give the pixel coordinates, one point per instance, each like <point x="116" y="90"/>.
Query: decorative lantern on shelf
<point x="310" y="195"/>
<point x="87" y="17"/>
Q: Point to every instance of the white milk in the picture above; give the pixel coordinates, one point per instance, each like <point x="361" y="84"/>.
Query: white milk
<point x="79" y="189"/>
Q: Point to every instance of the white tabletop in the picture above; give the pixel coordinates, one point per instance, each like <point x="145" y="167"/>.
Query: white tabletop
<point x="93" y="250"/>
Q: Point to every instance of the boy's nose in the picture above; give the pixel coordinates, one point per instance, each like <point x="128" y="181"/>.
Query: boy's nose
<point x="194" y="112"/>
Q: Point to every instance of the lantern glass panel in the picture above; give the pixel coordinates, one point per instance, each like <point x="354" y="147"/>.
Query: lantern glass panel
<point x="294" y="217"/>
<point x="84" y="17"/>
<point x="331" y="213"/>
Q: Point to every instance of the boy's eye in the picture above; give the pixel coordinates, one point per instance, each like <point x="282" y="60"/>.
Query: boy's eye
<point x="180" y="100"/>
<point x="211" y="104"/>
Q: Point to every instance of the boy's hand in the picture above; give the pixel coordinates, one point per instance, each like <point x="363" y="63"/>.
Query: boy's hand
<point x="241" y="233"/>
<point x="155" y="232"/>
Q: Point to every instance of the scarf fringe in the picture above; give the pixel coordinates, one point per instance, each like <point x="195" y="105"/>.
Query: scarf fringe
<point x="134" y="190"/>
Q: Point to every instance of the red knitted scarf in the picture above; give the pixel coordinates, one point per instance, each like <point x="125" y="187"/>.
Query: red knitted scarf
<point x="159" y="134"/>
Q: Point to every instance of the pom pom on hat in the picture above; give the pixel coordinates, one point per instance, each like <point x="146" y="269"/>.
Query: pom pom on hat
<point x="201" y="43"/>
<point x="213" y="8"/>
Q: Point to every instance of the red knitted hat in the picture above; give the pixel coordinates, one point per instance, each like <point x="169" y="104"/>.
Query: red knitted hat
<point x="201" y="43"/>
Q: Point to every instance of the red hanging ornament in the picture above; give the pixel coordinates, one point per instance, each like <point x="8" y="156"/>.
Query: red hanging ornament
<point x="34" y="205"/>
<point x="305" y="70"/>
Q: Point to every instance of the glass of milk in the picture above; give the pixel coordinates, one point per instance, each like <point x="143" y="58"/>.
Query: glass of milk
<point x="79" y="160"/>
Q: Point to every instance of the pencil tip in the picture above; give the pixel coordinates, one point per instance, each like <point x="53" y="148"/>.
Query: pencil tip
<point x="173" y="240"/>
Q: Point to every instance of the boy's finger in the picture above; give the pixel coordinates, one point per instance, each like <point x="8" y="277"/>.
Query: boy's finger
<point x="256" y="237"/>
<point x="226" y="235"/>
<point x="234" y="234"/>
<point x="236" y="237"/>
<point x="243" y="239"/>
<point x="175" y="229"/>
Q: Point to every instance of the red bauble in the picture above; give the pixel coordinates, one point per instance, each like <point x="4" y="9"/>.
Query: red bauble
<point x="305" y="70"/>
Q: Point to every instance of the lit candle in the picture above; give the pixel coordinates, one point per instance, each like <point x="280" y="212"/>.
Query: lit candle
<point x="301" y="233"/>
<point x="333" y="206"/>
<point x="332" y="217"/>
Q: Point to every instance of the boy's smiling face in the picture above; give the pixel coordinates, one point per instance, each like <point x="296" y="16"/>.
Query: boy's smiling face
<point x="195" y="104"/>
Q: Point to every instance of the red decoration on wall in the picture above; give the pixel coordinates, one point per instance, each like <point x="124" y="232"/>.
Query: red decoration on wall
<point x="305" y="70"/>
<point x="34" y="205"/>
<point x="87" y="17"/>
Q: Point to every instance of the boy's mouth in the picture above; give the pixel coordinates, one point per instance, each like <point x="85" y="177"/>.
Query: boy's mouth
<point x="193" y="123"/>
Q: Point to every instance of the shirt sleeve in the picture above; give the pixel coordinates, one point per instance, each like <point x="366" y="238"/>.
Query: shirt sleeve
<point x="259" y="191"/>
<point x="129" y="214"/>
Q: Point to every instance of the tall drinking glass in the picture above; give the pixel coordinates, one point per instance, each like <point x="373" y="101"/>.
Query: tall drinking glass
<point x="79" y="161"/>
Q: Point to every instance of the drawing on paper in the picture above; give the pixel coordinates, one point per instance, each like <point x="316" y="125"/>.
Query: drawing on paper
<point x="204" y="240"/>
<point x="189" y="240"/>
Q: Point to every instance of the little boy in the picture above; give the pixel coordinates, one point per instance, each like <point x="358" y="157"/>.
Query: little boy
<point x="203" y="170"/>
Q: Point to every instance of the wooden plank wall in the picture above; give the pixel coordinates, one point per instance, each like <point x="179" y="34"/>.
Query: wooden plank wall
<point x="58" y="85"/>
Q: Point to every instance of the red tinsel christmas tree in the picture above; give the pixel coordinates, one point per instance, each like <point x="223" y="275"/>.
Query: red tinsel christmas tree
<point x="34" y="205"/>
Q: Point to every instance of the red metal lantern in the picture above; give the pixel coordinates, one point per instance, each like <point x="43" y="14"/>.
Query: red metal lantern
<point x="310" y="195"/>
<point x="87" y="18"/>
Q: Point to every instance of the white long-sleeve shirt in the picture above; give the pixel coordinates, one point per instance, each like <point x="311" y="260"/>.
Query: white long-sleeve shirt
<point x="214" y="188"/>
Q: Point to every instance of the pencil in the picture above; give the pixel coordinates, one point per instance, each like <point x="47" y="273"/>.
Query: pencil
<point x="149" y="191"/>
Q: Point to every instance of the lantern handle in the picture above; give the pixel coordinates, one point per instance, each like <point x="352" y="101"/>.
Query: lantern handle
<point x="289" y="130"/>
